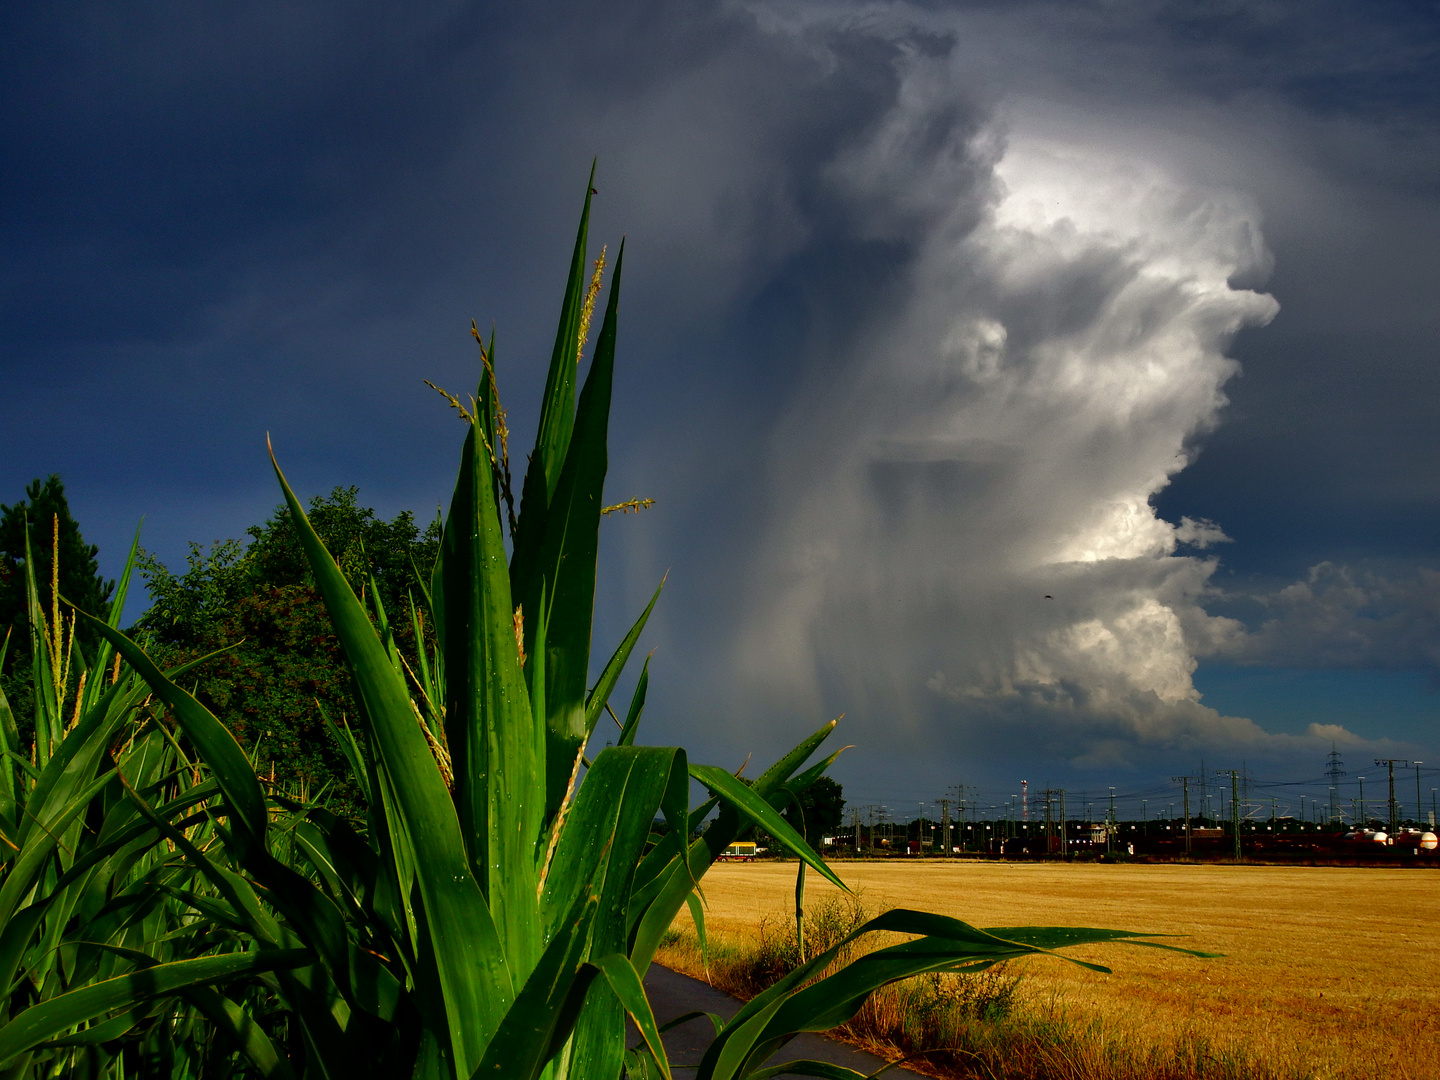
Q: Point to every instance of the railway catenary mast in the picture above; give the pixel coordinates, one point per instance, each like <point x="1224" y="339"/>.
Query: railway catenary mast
<point x="1390" y="763"/>
<point x="1419" y="805"/>
<point x="1185" y="780"/>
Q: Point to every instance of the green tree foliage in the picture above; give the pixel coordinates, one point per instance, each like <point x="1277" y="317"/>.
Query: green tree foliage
<point x="823" y="809"/>
<point x="257" y="601"/>
<point x="80" y="581"/>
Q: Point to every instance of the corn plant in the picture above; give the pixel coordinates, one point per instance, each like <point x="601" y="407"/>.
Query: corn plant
<point x="498" y="909"/>
<point x="105" y="968"/>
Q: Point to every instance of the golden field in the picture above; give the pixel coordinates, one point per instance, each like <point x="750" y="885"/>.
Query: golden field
<point x="1328" y="971"/>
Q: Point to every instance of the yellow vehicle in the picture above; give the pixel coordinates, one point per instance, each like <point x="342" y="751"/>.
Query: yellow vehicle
<point x="740" y="851"/>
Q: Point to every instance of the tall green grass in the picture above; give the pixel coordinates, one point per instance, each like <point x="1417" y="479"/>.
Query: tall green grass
<point x="497" y="909"/>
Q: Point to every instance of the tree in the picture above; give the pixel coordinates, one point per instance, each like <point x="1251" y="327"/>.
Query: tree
<point x="824" y="809"/>
<point x="45" y="514"/>
<point x="257" y="601"/>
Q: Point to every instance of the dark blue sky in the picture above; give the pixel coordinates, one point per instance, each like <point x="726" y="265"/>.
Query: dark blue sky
<point x="924" y="304"/>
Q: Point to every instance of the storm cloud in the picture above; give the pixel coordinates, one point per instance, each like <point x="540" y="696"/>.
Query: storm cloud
<point x="999" y="369"/>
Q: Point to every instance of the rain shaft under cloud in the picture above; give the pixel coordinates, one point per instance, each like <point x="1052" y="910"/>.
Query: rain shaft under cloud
<point x="962" y="531"/>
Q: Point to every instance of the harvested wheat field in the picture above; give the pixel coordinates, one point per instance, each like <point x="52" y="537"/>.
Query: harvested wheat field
<point x="1328" y="972"/>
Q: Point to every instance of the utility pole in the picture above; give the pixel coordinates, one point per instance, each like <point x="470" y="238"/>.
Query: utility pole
<point x="1204" y="795"/>
<point x="945" y="825"/>
<point x="1185" y="780"/>
<point x="1049" y="822"/>
<point x="1064" y="832"/>
<point x="1364" y="817"/>
<point x="1234" y="806"/>
<point x="1390" y="763"/>
<point x="1110" y="824"/>
<point x="1419" y="806"/>
<point x="1049" y="794"/>
<point x="1025" y="801"/>
<point x="965" y="796"/>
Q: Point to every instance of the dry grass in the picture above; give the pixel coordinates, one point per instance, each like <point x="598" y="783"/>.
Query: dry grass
<point x="1328" y="973"/>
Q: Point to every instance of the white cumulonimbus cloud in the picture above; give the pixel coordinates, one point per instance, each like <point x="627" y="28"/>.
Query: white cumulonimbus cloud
<point x="962" y="527"/>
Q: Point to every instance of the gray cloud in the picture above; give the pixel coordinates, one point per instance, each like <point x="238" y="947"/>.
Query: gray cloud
<point x="1346" y="617"/>
<point x="1049" y="286"/>
<point x="998" y="437"/>
<point x="928" y="308"/>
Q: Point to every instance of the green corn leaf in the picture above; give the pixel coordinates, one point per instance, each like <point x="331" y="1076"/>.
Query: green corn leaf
<point x="637" y="706"/>
<point x="800" y="783"/>
<point x="240" y="1027"/>
<point x="544" y="1012"/>
<point x="14" y="940"/>
<point x="106" y="1031"/>
<point x="340" y="880"/>
<point x="948" y="945"/>
<point x="75" y="758"/>
<point x="565" y="571"/>
<point x="1059" y="937"/>
<point x="807" y="1067"/>
<point x="726" y="1057"/>
<point x="667" y="852"/>
<point x="605" y="832"/>
<point x="678" y="879"/>
<point x="366" y="983"/>
<point x="716" y="1021"/>
<point x="467" y="951"/>
<point x="783" y="769"/>
<point x="234" y="889"/>
<point x="802" y="1007"/>
<point x="677" y="882"/>
<point x="57" y="1015"/>
<point x="625" y="984"/>
<point x="48" y="721"/>
<point x="227" y="760"/>
<point x="350" y="747"/>
<point x="95" y="687"/>
<point x="487" y="400"/>
<point x="489" y="725"/>
<point x="600" y="696"/>
<point x="557" y="413"/>
<point x="33" y="859"/>
<point x="750" y="805"/>
<point x="25" y="766"/>
<point x="697" y="916"/>
<point x="9" y="744"/>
